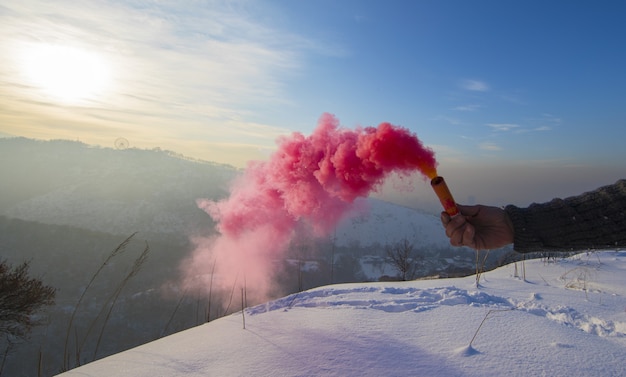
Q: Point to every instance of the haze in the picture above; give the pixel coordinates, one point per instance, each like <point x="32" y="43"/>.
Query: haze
<point x="520" y="101"/>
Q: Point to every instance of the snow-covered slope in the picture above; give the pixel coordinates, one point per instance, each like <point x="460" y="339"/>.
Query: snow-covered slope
<point x="567" y="318"/>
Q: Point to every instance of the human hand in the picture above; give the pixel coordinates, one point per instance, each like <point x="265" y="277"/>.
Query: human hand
<point x="479" y="227"/>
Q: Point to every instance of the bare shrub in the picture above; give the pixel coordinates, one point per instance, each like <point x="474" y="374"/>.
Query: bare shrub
<point x="20" y="298"/>
<point x="403" y="259"/>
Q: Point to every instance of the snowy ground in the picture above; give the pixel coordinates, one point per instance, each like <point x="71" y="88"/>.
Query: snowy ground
<point x="568" y="318"/>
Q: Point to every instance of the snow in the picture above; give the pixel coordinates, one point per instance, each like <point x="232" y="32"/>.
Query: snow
<point x="566" y="318"/>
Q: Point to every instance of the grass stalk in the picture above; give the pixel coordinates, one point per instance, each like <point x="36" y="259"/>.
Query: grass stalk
<point x="134" y="270"/>
<point x="480" y="265"/>
<point x="118" y="250"/>
<point x="483" y="321"/>
<point x="169" y="321"/>
<point x="208" y="316"/>
<point x="232" y="292"/>
<point x="243" y="308"/>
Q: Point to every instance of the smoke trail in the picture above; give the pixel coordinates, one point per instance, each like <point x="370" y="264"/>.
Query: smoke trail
<point x="309" y="182"/>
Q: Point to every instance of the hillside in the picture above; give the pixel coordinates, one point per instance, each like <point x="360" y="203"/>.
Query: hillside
<point x="107" y="190"/>
<point x="563" y="318"/>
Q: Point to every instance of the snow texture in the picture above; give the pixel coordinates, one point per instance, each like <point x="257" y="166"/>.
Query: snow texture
<point x="566" y="318"/>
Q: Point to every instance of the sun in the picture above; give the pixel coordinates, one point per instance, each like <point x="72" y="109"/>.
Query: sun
<point x="64" y="73"/>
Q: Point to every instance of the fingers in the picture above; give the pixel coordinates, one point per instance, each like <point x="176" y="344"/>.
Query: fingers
<point x="458" y="230"/>
<point x="445" y="218"/>
<point x="463" y="236"/>
<point x="464" y="210"/>
<point x="455" y="229"/>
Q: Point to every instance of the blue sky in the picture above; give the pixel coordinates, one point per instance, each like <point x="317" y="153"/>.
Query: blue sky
<point x="521" y="100"/>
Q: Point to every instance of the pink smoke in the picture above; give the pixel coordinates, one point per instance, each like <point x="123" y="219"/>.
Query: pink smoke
<point x="309" y="182"/>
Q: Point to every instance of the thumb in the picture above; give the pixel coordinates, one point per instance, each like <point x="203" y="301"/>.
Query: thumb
<point x="466" y="210"/>
<point x="468" y="236"/>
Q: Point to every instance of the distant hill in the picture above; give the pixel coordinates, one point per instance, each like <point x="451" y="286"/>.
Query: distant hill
<point x="154" y="192"/>
<point x="103" y="189"/>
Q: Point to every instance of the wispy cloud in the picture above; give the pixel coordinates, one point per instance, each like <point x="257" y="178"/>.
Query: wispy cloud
<point x="201" y="68"/>
<point x="516" y="128"/>
<point x="503" y="127"/>
<point x="543" y="123"/>
<point x="547" y="122"/>
<point x="535" y="129"/>
<point x="447" y="119"/>
<point x="489" y="146"/>
<point x="467" y="108"/>
<point x="474" y="85"/>
<point x="551" y="118"/>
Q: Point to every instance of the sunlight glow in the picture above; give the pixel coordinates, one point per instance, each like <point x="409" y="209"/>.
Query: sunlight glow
<point x="67" y="74"/>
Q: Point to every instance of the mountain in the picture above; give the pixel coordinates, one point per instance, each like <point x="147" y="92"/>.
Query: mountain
<point x="65" y="182"/>
<point x="559" y="318"/>
<point x="103" y="189"/>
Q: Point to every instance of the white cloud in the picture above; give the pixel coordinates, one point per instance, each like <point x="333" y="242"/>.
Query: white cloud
<point x="475" y="85"/>
<point x="197" y="53"/>
<point x="502" y="126"/>
<point x="487" y="146"/>
<point x="467" y="108"/>
<point x="189" y="69"/>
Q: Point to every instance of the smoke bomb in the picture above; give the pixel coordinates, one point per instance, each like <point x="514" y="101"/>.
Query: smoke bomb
<point x="445" y="197"/>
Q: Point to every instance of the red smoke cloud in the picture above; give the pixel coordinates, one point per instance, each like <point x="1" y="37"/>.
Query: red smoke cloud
<point x="309" y="182"/>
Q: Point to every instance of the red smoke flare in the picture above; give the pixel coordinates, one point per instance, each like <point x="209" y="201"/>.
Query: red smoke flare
<point x="309" y="181"/>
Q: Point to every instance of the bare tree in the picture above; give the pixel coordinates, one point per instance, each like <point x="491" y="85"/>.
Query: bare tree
<point x="403" y="259"/>
<point x="20" y="298"/>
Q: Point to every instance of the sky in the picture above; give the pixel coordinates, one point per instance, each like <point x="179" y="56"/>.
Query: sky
<point x="521" y="101"/>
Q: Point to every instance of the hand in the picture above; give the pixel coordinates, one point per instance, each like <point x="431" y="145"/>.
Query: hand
<point x="479" y="227"/>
